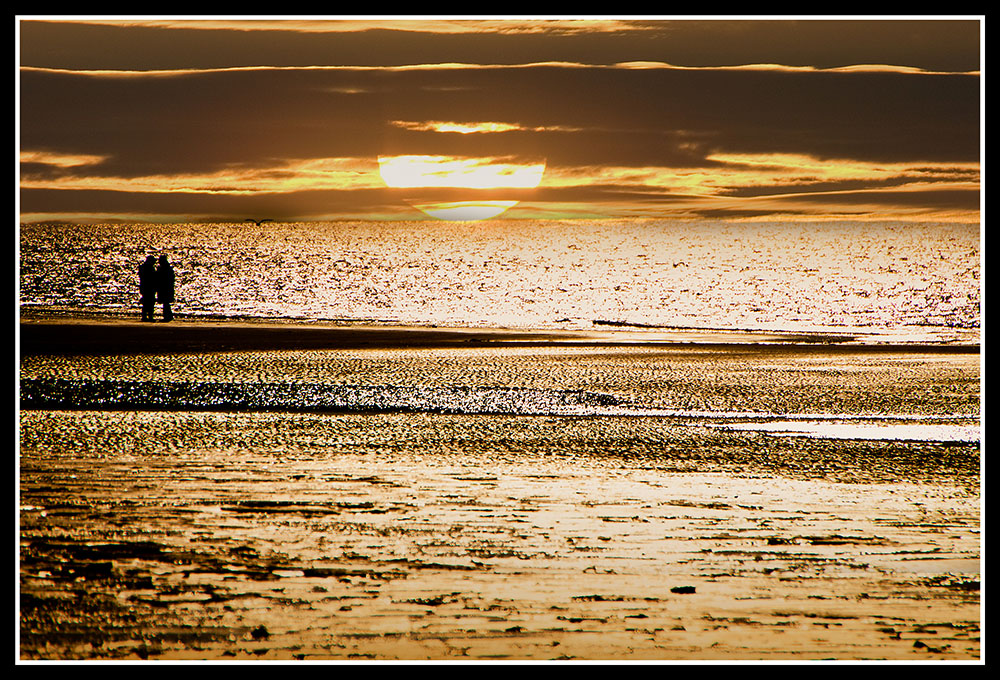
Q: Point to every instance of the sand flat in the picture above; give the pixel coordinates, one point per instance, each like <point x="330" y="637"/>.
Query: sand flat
<point x="418" y="535"/>
<point x="259" y="556"/>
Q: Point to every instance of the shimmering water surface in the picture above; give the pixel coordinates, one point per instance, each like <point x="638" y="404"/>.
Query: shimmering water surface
<point x="907" y="280"/>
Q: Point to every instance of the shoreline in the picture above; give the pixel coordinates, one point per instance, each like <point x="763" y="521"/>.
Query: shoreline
<point x="58" y="334"/>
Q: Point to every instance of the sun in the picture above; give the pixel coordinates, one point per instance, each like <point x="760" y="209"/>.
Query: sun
<point x="460" y="172"/>
<point x="465" y="211"/>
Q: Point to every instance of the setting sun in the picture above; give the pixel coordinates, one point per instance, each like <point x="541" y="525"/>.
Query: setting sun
<point x="465" y="210"/>
<point x="450" y="172"/>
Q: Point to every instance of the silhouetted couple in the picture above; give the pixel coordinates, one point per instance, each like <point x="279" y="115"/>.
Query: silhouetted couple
<point x="156" y="284"/>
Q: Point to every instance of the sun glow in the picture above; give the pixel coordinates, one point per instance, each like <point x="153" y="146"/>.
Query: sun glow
<point x="410" y="172"/>
<point x="485" y="127"/>
<point x="452" y="172"/>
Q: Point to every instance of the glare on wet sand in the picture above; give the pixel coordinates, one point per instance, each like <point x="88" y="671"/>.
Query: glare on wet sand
<point x="488" y="533"/>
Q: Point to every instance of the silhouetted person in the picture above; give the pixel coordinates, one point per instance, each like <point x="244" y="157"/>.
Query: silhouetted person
<point x="165" y="286"/>
<point x="147" y="287"/>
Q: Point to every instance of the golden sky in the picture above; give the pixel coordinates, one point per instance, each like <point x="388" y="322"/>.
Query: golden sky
<point x="174" y="120"/>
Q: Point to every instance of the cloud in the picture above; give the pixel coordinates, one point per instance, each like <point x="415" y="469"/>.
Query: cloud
<point x="473" y="127"/>
<point x="58" y="160"/>
<point x="282" y="177"/>
<point x="625" y="136"/>
<point x="634" y="116"/>
<point x="506" y="26"/>
<point x="934" y="45"/>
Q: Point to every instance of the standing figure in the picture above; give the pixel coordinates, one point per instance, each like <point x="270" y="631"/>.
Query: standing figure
<point x="147" y="287"/>
<point x="165" y="286"/>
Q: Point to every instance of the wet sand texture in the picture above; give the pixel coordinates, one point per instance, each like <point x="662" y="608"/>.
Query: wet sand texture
<point x="248" y="535"/>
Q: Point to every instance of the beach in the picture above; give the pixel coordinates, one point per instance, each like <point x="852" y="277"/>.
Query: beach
<point x="503" y="340"/>
<point x="240" y="490"/>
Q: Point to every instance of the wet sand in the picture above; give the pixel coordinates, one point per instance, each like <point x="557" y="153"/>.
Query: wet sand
<point x="83" y="336"/>
<point x="409" y="536"/>
<point x="54" y="334"/>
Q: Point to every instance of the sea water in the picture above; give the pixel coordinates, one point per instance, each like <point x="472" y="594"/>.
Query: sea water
<point x="902" y="280"/>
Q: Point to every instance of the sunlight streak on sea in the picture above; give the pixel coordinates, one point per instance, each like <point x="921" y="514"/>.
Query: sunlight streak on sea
<point x="902" y="280"/>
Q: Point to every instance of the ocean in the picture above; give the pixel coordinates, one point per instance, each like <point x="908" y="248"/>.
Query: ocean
<point x="892" y="281"/>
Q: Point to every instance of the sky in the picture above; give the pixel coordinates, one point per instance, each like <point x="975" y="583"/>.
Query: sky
<point x="295" y="119"/>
